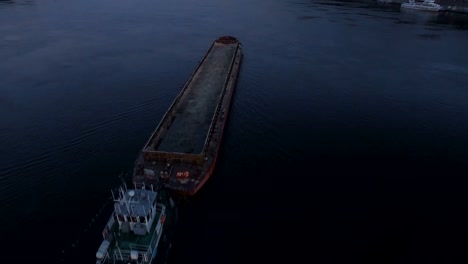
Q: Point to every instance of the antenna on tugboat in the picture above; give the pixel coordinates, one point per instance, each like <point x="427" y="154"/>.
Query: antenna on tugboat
<point x="125" y="201"/>
<point x="121" y="193"/>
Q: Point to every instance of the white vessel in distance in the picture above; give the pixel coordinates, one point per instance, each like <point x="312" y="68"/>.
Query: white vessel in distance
<point x="427" y="5"/>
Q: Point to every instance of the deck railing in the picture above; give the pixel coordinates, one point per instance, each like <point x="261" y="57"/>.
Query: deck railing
<point x="108" y="226"/>
<point x="155" y="135"/>
<point x="220" y="103"/>
<point x="174" y="156"/>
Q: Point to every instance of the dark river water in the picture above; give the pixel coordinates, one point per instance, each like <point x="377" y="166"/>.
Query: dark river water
<point x="347" y="140"/>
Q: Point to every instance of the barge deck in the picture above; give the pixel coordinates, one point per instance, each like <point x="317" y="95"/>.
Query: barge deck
<point x="182" y="151"/>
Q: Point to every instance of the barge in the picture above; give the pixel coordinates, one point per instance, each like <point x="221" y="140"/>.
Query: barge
<point x="181" y="153"/>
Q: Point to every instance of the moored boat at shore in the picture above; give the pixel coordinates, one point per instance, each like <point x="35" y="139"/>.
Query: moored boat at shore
<point x="426" y="5"/>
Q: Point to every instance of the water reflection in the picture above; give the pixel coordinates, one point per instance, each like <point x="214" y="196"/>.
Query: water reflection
<point x="459" y="21"/>
<point x="408" y="16"/>
<point x="6" y="2"/>
<point x="17" y="2"/>
<point x="369" y="4"/>
<point x="454" y="20"/>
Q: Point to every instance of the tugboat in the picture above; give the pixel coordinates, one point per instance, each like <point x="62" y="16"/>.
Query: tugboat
<point x="427" y="5"/>
<point x="140" y="227"/>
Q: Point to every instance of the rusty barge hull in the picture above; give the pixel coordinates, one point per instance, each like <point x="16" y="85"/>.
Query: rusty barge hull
<point x="182" y="152"/>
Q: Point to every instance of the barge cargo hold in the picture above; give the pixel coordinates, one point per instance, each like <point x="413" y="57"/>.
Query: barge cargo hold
<point x="181" y="153"/>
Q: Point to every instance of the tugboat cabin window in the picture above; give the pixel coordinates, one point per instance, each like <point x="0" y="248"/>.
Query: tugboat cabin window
<point x="142" y="219"/>
<point x="134" y="219"/>
<point x="121" y="218"/>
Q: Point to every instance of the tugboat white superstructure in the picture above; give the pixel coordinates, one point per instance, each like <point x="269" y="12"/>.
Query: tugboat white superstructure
<point x="135" y="231"/>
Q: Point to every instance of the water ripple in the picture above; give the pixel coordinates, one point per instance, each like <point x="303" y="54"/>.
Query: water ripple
<point x="40" y="170"/>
